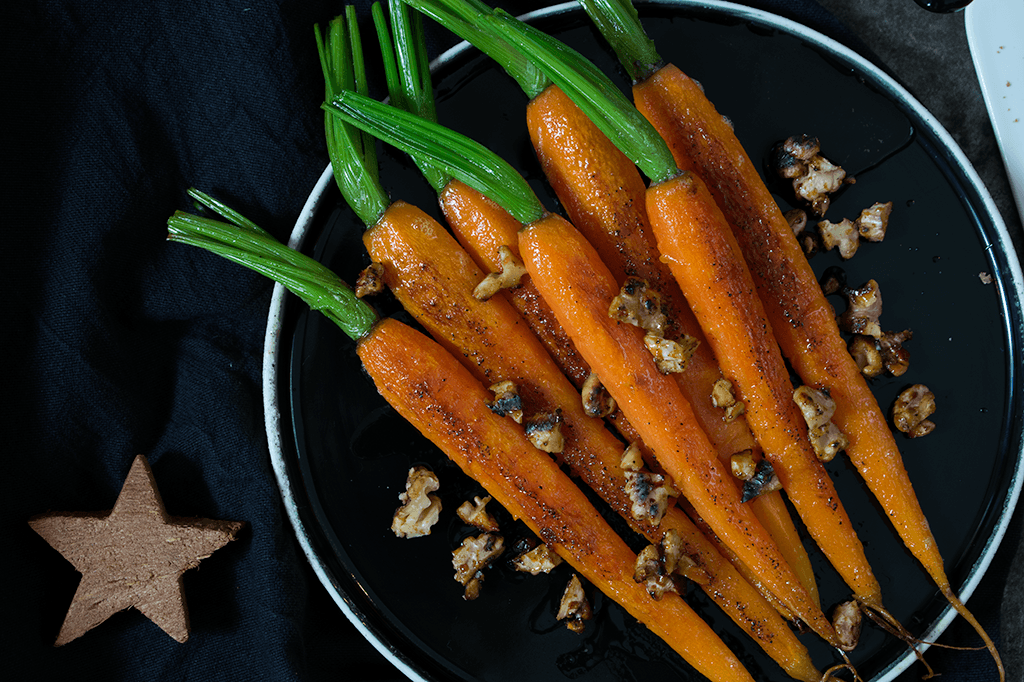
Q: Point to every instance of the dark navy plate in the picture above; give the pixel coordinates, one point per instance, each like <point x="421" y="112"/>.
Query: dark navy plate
<point x="341" y="454"/>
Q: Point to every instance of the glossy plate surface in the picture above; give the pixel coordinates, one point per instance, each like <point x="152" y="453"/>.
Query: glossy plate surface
<point x="946" y="271"/>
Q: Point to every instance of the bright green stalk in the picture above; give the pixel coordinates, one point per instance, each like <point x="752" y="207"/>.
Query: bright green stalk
<point x="407" y="72"/>
<point x="353" y="154"/>
<point x="463" y="158"/>
<point x="595" y="95"/>
<point x="242" y="242"/>
<point x="465" y="18"/>
<point x="619" y="23"/>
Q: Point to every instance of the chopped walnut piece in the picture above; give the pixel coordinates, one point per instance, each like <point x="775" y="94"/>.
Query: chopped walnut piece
<point x="810" y="243"/>
<point x="842" y="235"/>
<point x="743" y="464"/>
<point x="894" y="356"/>
<point x="672" y="550"/>
<point x="574" y="608"/>
<point x="814" y="177"/>
<point x="419" y="510"/>
<point x="538" y="560"/>
<point x="866" y="354"/>
<point x="597" y="402"/>
<point x="649" y="494"/>
<point x="370" y="280"/>
<point x="545" y="431"/>
<point x="797" y="219"/>
<point x="764" y="481"/>
<point x="818" y="408"/>
<point x="632" y="458"/>
<point x="507" y="277"/>
<point x="671" y="357"/>
<point x="640" y="305"/>
<point x="872" y="222"/>
<point x="475" y="514"/>
<point x="833" y="280"/>
<point x="507" y="402"/>
<point x="650" y="570"/>
<point x="471" y="558"/>
<point x="722" y="395"/>
<point x="911" y="411"/>
<point x="846" y="619"/>
<point x="865" y="307"/>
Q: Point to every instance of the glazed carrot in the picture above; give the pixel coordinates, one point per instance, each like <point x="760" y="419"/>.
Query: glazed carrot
<point x="438" y="396"/>
<point x="603" y="195"/>
<point x="714" y="278"/>
<point x="802" y="319"/>
<point x="598" y="463"/>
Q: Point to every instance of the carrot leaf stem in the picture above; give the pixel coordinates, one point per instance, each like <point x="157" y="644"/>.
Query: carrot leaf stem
<point x="463" y="158"/>
<point x="241" y="241"/>
<point x="618" y="22"/>
<point x="594" y="94"/>
<point x="353" y="154"/>
<point x="465" y="18"/>
<point x="407" y="72"/>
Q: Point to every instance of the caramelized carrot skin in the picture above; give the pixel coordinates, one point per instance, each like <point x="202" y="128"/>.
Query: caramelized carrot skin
<point x="706" y="261"/>
<point x="430" y="389"/>
<point x="802" y="319"/>
<point x="605" y="199"/>
<point x="481" y="227"/>
<point x="579" y="287"/>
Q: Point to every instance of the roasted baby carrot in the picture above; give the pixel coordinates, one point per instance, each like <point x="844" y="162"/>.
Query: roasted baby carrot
<point x="603" y="195"/>
<point x="803" y="321"/>
<point x="598" y="463"/>
<point x="438" y="396"/>
<point x="723" y="297"/>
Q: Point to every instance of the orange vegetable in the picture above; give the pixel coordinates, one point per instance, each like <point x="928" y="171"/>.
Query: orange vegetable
<point x="579" y="287"/>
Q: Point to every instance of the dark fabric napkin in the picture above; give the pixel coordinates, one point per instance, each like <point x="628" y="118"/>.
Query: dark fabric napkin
<point x="117" y="343"/>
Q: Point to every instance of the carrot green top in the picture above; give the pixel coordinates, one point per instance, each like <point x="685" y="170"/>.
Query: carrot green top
<point x="595" y="95"/>
<point x="463" y="158"/>
<point x="467" y="19"/>
<point x="618" y="22"/>
<point x="353" y="154"/>
<point x="243" y="242"/>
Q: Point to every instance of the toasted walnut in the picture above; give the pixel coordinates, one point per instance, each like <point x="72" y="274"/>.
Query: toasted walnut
<point x="846" y="619"/>
<point x="538" y="560"/>
<point x="842" y="235"/>
<point x="671" y="357"/>
<point x="475" y="514"/>
<point x="764" y="481"/>
<point x="507" y="402"/>
<point x="545" y="431"/>
<point x="471" y="558"/>
<point x="873" y="221"/>
<point x="722" y="395"/>
<point x="911" y="411"/>
<point x="864" y="309"/>
<point x="810" y="243"/>
<point x="419" y="510"/>
<point x="814" y="177"/>
<point x="574" y="608"/>
<point x="640" y="305"/>
<point x="508" y="277"/>
<point x="671" y="546"/>
<point x="833" y="280"/>
<point x="865" y="353"/>
<point x="370" y="280"/>
<point x="818" y="408"/>
<point x="597" y="402"/>
<point x="743" y="464"/>
<point x="632" y="458"/>
<point x="649" y="495"/>
<point x="894" y="356"/>
<point x="650" y="570"/>
<point x="797" y="219"/>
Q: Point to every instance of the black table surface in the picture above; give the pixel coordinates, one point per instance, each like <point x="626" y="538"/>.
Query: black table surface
<point x="119" y="344"/>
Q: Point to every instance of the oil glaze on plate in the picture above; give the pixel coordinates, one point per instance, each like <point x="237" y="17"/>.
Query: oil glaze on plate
<point x="341" y="454"/>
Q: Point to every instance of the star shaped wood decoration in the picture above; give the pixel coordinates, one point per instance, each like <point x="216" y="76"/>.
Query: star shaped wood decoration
<point x="133" y="555"/>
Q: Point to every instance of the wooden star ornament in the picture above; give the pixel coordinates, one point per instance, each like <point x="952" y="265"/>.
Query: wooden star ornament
<point x="133" y="555"/>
